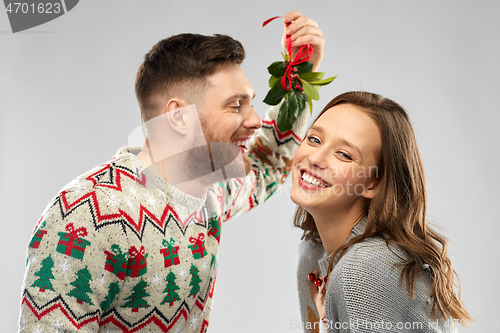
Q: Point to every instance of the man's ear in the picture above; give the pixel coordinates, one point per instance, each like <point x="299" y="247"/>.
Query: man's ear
<point x="176" y="115"/>
<point x="371" y="190"/>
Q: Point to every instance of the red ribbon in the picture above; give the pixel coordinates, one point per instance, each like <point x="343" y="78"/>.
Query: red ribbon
<point x="75" y="233"/>
<point x="302" y="55"/>
<point x="198" y="241"/>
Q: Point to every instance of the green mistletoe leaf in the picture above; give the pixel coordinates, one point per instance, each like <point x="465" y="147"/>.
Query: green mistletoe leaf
<point x="309" y="90"/>
<point x="276" y="94"/>
<point x="312" y="76"/>
<point x="272" y="81"/>
<point x="303" y="68"/>
<point x="277" y="68"/>
<point x="323" y="82"/>
<point x="310" y="105"/>
<point x="290" y="110"/>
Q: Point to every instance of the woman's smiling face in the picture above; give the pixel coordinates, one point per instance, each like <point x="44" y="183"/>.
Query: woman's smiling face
<point x="336" y="165"/>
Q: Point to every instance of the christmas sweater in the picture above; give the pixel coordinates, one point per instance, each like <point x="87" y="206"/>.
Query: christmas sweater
<point x="120" y="250"/>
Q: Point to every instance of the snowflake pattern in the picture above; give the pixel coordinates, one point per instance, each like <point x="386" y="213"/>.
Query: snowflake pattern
<point x="124" y="286"/>
<point x="34" y="258"/>
<point x="182" y="273"/>
<point x="57" y="326"/>
<point x="151" y="200"/>
<point x="194" y="321"/>
<point x="23" y="322"/>
<point x="38" y="329"/>
<point x="64" y="266"/>
<point x="157" y="278"/>
<point x="130" y="204"/>
<point x="204" y="265"/>
<point x="112" y="199"/>
<point x="102" y="279"/>
<point x="133" y="191"/>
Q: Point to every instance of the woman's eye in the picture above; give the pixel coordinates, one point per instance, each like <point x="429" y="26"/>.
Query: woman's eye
<point x="344" y="155"/>
<point x="313" y="139"/>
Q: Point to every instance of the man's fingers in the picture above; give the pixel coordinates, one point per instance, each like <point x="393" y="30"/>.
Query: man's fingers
<point x="307" y="30"/>
<point x="313" y="40"/>
<point x="299" y="23"/>
<point x="290" y="16"/>
<point x="310" y="34"/>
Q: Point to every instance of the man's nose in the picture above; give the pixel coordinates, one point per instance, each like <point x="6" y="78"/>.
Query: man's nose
<point x="252" y="120"/>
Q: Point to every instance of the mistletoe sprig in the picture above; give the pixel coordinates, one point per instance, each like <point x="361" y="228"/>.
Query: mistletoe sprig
<point x="294" y="80"/>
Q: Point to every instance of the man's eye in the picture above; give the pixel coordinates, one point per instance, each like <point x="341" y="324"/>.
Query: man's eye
<point x="237" y="108"/>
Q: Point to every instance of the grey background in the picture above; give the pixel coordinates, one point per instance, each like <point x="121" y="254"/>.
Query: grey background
<point x="67" y="104"/>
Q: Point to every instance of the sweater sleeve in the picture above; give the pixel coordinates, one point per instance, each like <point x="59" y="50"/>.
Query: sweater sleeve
<point x="65" y="287"/>
<point x="366" y="295"/>
<point x="270" y="154"/>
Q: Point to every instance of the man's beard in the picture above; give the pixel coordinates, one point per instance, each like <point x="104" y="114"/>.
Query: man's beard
<point x="222" y="153"/>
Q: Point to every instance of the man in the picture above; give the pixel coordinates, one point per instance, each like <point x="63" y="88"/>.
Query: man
<point x="132" y="244"/>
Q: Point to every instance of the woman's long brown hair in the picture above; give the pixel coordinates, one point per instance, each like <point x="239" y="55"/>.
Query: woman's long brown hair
<point x="397" y="213"/>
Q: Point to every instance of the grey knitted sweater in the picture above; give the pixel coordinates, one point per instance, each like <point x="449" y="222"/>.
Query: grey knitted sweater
<point x="363" y="293"/>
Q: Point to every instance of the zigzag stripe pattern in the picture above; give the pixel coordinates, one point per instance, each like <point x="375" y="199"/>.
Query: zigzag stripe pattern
<point x="112" y="316"/>
<point x="137" y="227"/>
<point x="281" y="138"/>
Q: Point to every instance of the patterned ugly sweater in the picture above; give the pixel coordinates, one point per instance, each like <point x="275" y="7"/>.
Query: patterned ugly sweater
<point x="120" y="250"/>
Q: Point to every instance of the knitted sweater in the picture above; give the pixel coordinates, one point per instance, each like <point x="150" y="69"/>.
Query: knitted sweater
<point x="121" y="250"/>
<point x="363" y="292"/>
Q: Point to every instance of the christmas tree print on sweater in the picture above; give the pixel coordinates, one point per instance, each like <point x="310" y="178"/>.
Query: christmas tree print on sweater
<point x="136" y="299"/>
<point x="82" y="287"/>
<point x="37" y="237"/>
<point x="170" y="289"/>
<point x="71" y="243"/>
<point x="45" y="275"/>
<point x="195" y="281"/>
<point x="114" y="289"/>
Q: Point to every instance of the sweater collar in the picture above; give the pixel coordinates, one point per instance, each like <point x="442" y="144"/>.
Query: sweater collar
<point x="357" y="230"/>
<point x="153" y="181"/>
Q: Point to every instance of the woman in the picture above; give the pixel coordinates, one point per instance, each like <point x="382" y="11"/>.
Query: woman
<point x="359" y="182"/>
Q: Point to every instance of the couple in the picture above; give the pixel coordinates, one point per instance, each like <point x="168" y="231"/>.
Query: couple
<point x="131" y="245"/>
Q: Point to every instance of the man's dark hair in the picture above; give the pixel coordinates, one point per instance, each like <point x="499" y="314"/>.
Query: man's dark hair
<point x="181" y="65"/>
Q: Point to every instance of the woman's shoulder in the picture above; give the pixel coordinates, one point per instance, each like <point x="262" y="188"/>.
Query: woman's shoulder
<point x="374" y="267"/>
<point x="373" y="251"/>
<point x="372" y="262"/>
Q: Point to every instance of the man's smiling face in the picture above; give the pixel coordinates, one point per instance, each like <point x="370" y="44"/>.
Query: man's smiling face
<point x="226" y="112"/>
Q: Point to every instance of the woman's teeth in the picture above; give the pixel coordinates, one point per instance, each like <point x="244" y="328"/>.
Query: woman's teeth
<point x="311" y="180"/>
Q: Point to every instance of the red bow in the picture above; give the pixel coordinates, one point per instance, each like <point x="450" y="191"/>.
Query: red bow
<point x="302" y="55"/>
<point x="193" y="240"/>
<point x="133" y="252"/>
<point x="75" y="233"/>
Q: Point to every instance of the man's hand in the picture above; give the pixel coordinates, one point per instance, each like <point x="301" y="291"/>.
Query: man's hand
<point x="304" y="30"/>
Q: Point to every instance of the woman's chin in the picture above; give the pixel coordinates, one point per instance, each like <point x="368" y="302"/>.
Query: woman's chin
<point x="300" y="198"/>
